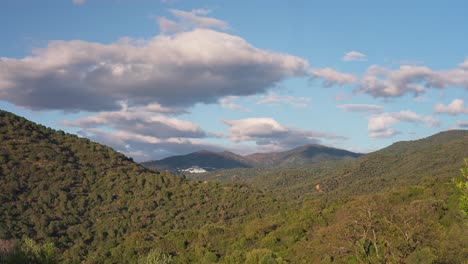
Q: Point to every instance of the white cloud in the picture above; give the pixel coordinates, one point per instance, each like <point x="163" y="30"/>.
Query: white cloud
<point x="331" y="77"/>
<point x="185" y="21"/>
<point x="274" y="99"/>
<point x="79" y="2"/>
<point x="382" y="82"/>
<point x="464" y="65"/>
<point x="169" y="26"/>
<point x="406" y="79"/>
<point x="199" y="66"/>
<point x="144" y="147"/>
<point x="144" y="132"/>
<point x="270" y="134"/>
<point x="228" y="102"/>
<point x="189" y="20"/>
<point x="197" y="19"/>
<point x="457" y="106"/>
<point x="379" y="125"/>
<point x="246" y="129"/>
<point x="354" y="56"/>
<point x="142" y="121"/>
<point x="367" y="108"/>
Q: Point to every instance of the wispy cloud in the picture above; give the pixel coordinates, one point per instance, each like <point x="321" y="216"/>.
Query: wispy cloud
<point x="275" y="99"/>
<point x="365" y="108"/>
<point x="187" y="20"/>
<point x="331" y="77"/>
<point x="354" y="56"/>
<point x="228" y="102"/>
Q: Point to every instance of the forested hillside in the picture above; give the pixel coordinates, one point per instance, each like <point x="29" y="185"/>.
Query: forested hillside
<point x="300" y="156"/>
<point x="67" y="199"/>
<point x="433" y="159"/>
<point x="93" y="203"/>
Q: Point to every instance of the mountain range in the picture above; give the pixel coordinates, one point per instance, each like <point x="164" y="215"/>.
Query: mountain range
<point x="211" y="161"/>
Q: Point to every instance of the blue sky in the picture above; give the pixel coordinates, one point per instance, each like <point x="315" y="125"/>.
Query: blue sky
<point x="160" y="78"/>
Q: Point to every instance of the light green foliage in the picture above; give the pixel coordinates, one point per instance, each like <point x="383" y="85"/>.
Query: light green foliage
<point x="462" y="185"/>
<point x="262" y="256"/>
<point x="155" y="257"/>
<point x="27" y="251"/>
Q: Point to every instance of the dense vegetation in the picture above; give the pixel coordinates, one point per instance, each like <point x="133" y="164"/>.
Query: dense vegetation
<point x="67" y="199"/>
<point x="433" y="159"/>
<point x="94" y="203"/>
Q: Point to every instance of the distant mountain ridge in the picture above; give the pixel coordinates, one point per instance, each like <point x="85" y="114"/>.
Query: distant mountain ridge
<point x="301" y="155"/>
<point x="227" y="160"/>
<point x="436" y="158"/>
<point x="204" y="159"/>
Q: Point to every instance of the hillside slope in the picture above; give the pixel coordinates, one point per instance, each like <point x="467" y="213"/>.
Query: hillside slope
<point x="303" y="155"/>
<point x="90" y="200"/>
<point x="431" y="159"/>
<point x="97" y="206"/>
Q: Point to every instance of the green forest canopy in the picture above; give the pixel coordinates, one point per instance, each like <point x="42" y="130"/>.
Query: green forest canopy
<point x="67" y="199"/>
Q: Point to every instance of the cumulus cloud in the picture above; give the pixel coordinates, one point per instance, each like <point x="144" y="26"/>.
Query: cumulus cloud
<point x="354" y="56"/>
<point x="331" y="77"/>
<point x="275" y="99"/>
<point x="366" y="108"/>
<point x="382" y="82"/>
<point x="379" y="125"/>
<point x="270" y="134"/>
<point x="139" y="121"/>
<point x="199" y="66"/>
<point x="143" y="148"/>
<point x="144" y="132"/>
<point x="464" y="65"/>
<point x="457" y="106"/>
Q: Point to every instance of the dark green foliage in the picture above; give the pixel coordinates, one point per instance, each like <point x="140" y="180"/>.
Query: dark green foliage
<point x="95" y="203"/>
<point x="425" y="161"/>
<point x="397" y="205"/>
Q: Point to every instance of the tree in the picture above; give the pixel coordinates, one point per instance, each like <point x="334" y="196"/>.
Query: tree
<point x="462" y="186"/>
